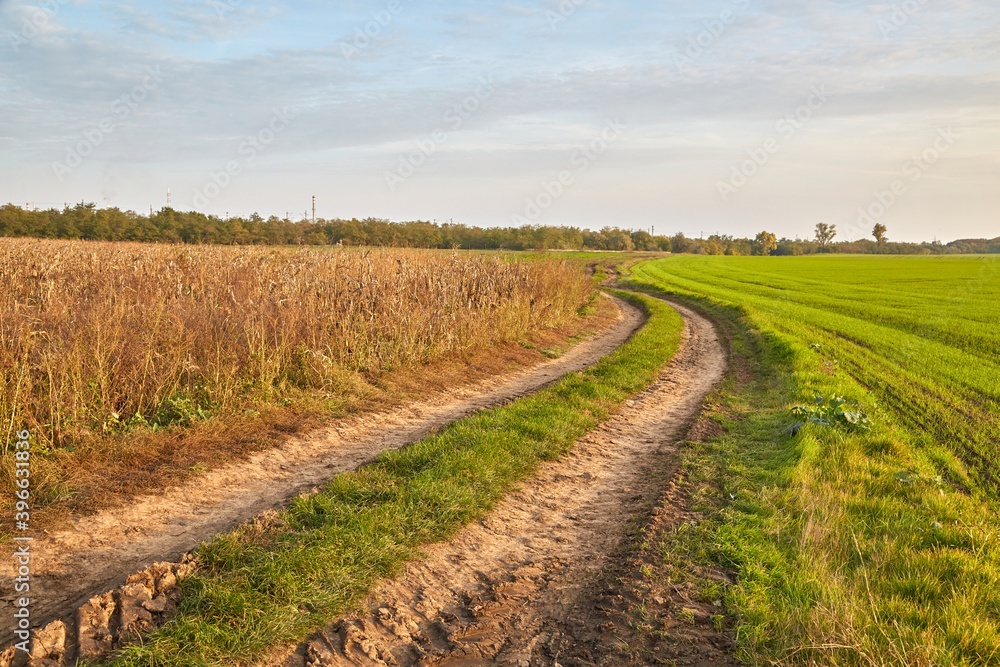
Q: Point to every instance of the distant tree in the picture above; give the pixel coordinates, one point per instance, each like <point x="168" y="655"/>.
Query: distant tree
<point x="713" y="245"/>
<point x="825" y="234"/>
<point x="787" y="247"/>
<point x="681" y="244"/>
<point x="879" y="232"/>
<point x="765" y="243"/>
<point x="617" y="239"/>
<point x="643" y="241"/>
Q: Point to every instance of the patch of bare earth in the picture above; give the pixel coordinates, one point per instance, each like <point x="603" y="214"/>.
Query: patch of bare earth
<point x="100" y="552"/>
<point x="549" y="577"/>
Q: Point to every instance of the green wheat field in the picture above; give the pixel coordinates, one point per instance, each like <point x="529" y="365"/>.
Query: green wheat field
<point x="861" y="466"/>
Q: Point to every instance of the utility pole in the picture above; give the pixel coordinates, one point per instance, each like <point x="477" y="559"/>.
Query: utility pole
<point x="314" y="209"/>
<point x="168" y="199"/>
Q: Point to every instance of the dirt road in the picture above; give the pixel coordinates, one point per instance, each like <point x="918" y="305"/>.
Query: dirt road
<point x="100" y="551"/>
<point x="524" y="586"/>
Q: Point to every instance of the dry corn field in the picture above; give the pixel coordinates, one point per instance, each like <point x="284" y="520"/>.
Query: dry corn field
<point x="100" y="341"/>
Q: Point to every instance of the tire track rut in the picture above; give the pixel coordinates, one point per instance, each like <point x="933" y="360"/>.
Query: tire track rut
<point x="100" y="552"/>
<point x="518" y="587"/>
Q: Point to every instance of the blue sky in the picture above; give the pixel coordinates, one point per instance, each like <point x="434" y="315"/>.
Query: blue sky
<point x="732" y="116"/>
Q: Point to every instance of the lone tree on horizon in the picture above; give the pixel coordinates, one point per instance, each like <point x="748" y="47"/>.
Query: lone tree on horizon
<point x="879" y="232"/>
<point x="825" y="233"/>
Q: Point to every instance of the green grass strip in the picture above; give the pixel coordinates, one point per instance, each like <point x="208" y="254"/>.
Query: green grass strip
<point x="261" y="587"/>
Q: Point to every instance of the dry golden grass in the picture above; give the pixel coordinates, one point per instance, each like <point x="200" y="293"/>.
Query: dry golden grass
<point x="107" y="350"/>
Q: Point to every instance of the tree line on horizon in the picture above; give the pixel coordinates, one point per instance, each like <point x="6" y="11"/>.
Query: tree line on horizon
<point x="86" y="221"/>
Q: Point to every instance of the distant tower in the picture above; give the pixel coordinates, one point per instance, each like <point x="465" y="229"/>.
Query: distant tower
<point x="314" y="209"/>
<point x="168" y="198"/>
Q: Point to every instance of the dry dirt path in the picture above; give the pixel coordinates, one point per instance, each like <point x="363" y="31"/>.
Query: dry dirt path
<point x="100" y="551"/>
<point x="523" y="586"/>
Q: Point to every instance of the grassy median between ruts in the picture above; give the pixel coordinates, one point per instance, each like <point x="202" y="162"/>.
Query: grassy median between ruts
<point x="266" y="585"/>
